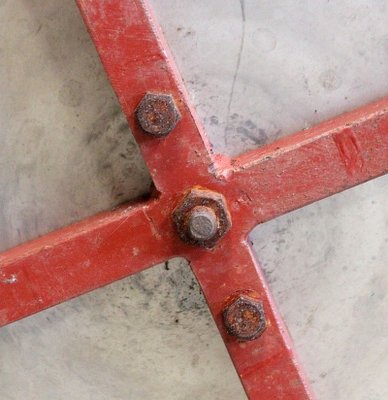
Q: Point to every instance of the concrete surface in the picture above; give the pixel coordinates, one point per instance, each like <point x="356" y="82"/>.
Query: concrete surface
<point x="255" y="71"/>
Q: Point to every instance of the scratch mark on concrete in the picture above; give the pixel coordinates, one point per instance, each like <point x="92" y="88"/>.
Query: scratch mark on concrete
<point x="236" y="71"/>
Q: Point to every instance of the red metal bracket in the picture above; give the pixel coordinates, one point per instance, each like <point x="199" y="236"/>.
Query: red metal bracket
<point x="257" y="187"/>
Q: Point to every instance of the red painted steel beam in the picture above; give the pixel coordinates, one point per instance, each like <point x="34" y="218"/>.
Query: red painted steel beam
<point x="258" y="186"/>
<point x="312" y="164"/>
<point x="137" y="60"/>
<point x="74" y="260"/>
<point x="268" y="367"/>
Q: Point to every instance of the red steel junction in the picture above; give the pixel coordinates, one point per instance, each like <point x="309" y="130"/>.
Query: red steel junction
<point x="202" y="207"/>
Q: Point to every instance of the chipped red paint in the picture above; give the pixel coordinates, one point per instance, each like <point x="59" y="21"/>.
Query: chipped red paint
<point x="257" y="186"/>
<point x="349" y="151"/>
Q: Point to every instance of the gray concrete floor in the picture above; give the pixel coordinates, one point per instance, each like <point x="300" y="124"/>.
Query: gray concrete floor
<point x="255" y="71"/>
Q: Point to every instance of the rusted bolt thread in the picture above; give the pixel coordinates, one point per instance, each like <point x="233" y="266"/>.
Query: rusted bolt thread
<point x="244" y="318"/>
<point x="201" y="217"/>
<point x="202" y="223"/>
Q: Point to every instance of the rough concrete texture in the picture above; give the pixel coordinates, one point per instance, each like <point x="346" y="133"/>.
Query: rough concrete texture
<point x="66" y="151"/>
<point x="259" y="70"/>
<point x="326" y="265"/>
<point x="255" y="71"/>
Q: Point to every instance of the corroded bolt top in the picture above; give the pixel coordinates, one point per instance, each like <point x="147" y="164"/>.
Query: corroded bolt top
<point x="202" y="223"/>
<point x="201" y="218"/>
<point x="157" y="114"/>
<point x="244" y="318"/>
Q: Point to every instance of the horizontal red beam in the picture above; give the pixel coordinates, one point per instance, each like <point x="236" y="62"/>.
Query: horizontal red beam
<point x="311" y="165"/>
<point x="77" y="259"/>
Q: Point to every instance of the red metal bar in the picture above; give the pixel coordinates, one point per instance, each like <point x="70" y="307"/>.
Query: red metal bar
<point x="312" y="164"/>
<point x="137" y="60"/>
<point x="77" y="259"/>
<point x="268" y="367"/>
<point x="257" y="186"/>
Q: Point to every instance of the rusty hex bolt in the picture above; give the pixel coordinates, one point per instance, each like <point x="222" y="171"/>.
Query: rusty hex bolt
<point x="244" y="318"/>
<point x="201" y="218"/>
<point x="157" y="114"/>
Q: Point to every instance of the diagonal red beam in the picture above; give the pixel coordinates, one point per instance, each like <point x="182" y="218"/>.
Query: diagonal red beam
<point x="137" y="60"/>
<point x="268" y="367"/>
<point x="312" y="164"/>
<point x="82" y="257"/>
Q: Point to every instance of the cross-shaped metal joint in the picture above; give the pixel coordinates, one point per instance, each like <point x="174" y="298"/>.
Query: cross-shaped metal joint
<point x="204" y="205"/>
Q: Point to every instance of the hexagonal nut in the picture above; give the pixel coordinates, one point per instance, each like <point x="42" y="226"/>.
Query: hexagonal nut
<point x="244" y="318"/>
<point x="202" y="217"/>
<point x="157" y="114"/>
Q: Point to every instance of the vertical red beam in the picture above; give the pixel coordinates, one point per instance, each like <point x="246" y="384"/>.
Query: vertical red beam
<point x="134" y="55"/>
<point x="267" y="366"/>
<point x="137" y="60"/>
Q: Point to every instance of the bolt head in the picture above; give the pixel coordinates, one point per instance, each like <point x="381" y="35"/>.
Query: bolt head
<point x="244" y="318"/>
<point x="201" y="218"/>
<point x="157" y="114"/>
